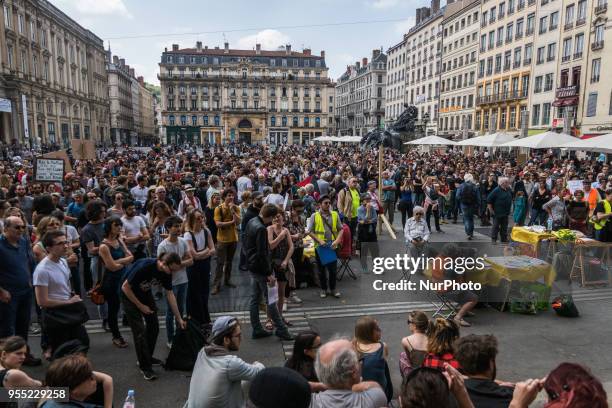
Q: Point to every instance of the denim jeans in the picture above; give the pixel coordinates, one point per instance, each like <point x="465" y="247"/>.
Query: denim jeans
<point x="180" y="293"/>
<point x="468" y="219"/>
<point x="15" y="315"/>
<point x="538" y="216"/>
<point x="259" y="290"/>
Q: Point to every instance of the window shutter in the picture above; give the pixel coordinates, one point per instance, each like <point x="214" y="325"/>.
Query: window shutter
<point x="592" y="104"/>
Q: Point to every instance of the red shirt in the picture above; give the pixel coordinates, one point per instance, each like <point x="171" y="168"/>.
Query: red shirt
<point x="437" y="362"/>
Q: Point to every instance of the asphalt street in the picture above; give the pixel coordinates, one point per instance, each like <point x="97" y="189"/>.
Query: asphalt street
<point x="529" y="346"/>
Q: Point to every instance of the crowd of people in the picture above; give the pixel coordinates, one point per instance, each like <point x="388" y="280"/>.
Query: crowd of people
<point x="134" y="228"/>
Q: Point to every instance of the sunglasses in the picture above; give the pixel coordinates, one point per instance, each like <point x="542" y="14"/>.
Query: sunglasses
<point x="19" y="227"/>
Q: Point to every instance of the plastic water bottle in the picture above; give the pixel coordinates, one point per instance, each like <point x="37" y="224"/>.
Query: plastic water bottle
<point x="130" y="401"/>
<point x="549" y="224"/>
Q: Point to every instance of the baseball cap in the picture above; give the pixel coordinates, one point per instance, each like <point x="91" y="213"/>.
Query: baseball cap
<point x="222" y="325"/>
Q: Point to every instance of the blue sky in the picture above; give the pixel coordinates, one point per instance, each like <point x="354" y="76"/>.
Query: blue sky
<point x="342" y="44"/>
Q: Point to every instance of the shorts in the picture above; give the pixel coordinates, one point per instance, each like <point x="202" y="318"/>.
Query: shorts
<point x="461" y="296"/>
<point x="279" y="273"/>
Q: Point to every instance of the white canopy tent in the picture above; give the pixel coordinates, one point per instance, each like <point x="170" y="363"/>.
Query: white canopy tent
<point x="546" y="140"/>
<point x="491" y="140"/>
<point x="432" y="140"/>
<point x="601" y="144"/>
<point x="324" y="139"/>
<point x="349" y="139"/>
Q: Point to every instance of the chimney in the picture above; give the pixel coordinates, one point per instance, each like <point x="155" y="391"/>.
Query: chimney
<point x="115" y="60"/>
<point x="216" y="48"/>
<point x="257" y="49"/>
<point x="206" y="47"/>
<point x="226" y="47"/>
<point x="174" y="47"/>
<point x="288" y="49"/>
<point x="364" y="62"/>
<point x="418" y="16"/>
<point x="375" y="54"/>
<point x="435" y="6"/>
<point x="307" y="51"/>
<point x="132" y="73"/>
<point x="199" y="45"/>
<point x="322" y="54"/>
<point x="122" y="62"/>
<point x="141" y="80"/>
<point x="165" y="49"/>
<point x="425" y="13"/>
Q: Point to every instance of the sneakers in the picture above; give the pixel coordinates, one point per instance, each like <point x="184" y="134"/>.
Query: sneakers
<point x="149" y="375"/>
<point x="260" y="334"/>
<point x="323" y="295"/>
<point x="293" y="299"/>
<point x="169" y="345"/>
<point x="285" y="336"/>
<point x="120" y="342"/>
<point x="156" y="361"/>
<point x="337" y="295"/>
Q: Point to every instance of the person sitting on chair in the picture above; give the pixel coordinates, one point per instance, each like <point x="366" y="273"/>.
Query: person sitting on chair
<point x="466" y="299"/>
<point x="416" y="232"/>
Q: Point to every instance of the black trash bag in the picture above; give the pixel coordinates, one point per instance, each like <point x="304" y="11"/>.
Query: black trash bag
<point x="186" y="345"/>
<point x="564" y="306"/>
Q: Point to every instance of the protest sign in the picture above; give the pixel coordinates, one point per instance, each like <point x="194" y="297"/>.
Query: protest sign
<point x="49" y="169"/>
<point x="60" y="154"/>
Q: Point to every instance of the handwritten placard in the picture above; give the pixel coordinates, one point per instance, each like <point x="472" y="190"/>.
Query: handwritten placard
<point x="49" y="169"/>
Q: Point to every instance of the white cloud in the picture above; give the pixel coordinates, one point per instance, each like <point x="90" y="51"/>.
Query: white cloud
<point x="384" y="4"/>
<point x="97" y="7"/>
<point x="403" y="26"/>
<point x="269" y="40"/>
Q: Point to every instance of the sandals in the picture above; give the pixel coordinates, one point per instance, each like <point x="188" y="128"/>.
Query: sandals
<point x="462" y="323"/>
<point x="269" y="325"/>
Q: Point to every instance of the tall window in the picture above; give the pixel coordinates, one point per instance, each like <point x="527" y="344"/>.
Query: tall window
<point x="569" y="14"/>
<point x="592" y="104"/>
<point x="546" y="113"/>
<point x="8" y="18"/>
<point x="599" y="33"/>
<point x="535" y="118"/>
<point x="567" y="49"/>
<point x="595" y="70"/>
<point x="582" y="7"/>
<point x="579" y="45"/>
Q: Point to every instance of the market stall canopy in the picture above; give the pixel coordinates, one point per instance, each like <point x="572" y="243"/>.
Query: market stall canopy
<point x="349" y="139"/>
<point x="492" y="140"/>
<point x="324" y="139"/>
<point x="431" y="140"/>
<point x="598" y="144"/>
<point x="546" y="140"/>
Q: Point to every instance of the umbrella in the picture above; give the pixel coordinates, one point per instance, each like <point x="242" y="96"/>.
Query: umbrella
<point x="546" y="140"/>
<point x="598" y="143"/>
<point x="431" y="140"/>
<point x="323" y="139"/>
<point x="491" y="140"/>
<point x="350" y="139"/>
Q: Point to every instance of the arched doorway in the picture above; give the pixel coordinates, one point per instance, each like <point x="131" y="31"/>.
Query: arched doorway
<point x="244" y="136"/>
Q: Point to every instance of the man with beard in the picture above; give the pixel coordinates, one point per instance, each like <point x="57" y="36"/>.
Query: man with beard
<point x="217" y="374"/>
<point x="135" y="230"/>
<point x="251" y="212"/>
<point x="25" y="202"/>
<point x="476" y="355"/>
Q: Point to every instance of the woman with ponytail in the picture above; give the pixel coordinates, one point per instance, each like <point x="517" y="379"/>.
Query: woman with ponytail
<point x="440" y="344"/>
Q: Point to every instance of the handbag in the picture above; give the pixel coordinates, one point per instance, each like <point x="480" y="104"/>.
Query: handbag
<point x="564" y="306"/>
<point x="326" y="254"/>
<point x="69" y="315"/>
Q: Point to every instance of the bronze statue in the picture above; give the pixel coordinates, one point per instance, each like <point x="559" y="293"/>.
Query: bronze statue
<point x="390" y="137"/>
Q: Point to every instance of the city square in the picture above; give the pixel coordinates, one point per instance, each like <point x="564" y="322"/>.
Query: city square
<point x="402" y="212"/>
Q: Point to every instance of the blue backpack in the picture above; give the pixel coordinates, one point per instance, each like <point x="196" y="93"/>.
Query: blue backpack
<point x="129" y="271"/>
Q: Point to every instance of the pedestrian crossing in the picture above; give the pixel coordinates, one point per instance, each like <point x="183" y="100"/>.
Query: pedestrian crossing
<point x="301" y="316"/>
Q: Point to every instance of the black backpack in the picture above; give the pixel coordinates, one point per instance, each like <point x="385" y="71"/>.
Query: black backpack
<point x="186" y="345"/>
<point x="468" y="195"/>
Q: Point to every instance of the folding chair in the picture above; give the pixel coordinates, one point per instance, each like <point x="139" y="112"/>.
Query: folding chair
<point x="345" y="254"/>
<point x="445" y="307"/>
<point x="345" y="267"/>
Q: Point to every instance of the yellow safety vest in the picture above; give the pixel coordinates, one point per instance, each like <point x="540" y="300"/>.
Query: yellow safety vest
<point x="599" y="224"/>
<point x="319" y="228"/>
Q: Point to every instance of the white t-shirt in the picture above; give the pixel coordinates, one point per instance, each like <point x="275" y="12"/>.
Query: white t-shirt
<point x="200" y="238"/>
<point x="55" y="276"/>
<point x="275" y="199"/>
<point x="140" y="193"/>
<point x="132" y="226"/>
<point x="180" y="248"/>
<point x="243" y="184"/>
<point x="71" y="233"/>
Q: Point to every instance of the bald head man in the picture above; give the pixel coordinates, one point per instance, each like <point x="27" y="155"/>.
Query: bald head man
<point x="337" y="366"/>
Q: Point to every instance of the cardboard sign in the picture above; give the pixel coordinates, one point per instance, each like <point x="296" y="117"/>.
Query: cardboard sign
<point x="49" y="169"/>
<point x="83" y="149"/>
<point x="60" y="154"/>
